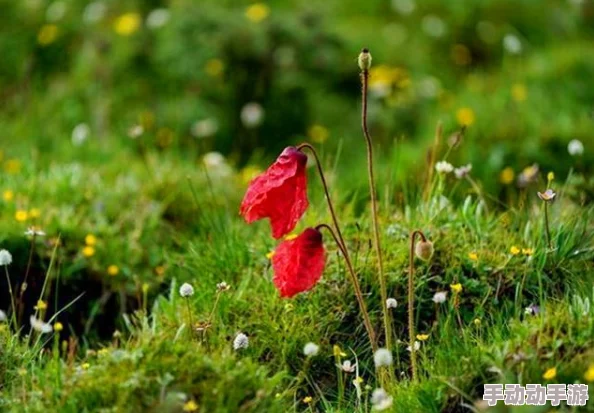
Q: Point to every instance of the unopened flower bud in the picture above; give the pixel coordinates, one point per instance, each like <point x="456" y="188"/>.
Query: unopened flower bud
<point x="424" y="250"/>
<point x="364" y="60"/>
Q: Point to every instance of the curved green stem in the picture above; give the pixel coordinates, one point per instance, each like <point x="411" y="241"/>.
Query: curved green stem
<point x="411" y="298"/>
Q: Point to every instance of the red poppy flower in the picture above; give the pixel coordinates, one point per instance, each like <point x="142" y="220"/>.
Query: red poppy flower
<point x="298" y="263"/>
<point x="279" y="194"/>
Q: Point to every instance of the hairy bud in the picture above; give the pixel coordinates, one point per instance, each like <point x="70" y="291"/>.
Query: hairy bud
<point x="364" y="60"/>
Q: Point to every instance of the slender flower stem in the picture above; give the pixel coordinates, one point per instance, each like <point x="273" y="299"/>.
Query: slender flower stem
<point x="14" y="309"/>
<point x="23" y="287"/>
<point x="411" y="298"/>
<point x="547" y="229"/>
<point x="358" y="293"/>
<point x="376" y="235"/>
<point x="190" y="319"/>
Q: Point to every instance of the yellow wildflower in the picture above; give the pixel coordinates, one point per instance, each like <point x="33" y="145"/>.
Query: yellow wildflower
<point x="8" y="195"/>
<point x="514" y="250"/>
<point x="113" y="270"/>
<point x="290" y="237"/>
<point x="214" y="67"/>
<point x="456" y="288"/>
<point x="58" y="327"/>
<point x="528" y="251"/>
<point x="257" y="12"/>
<point x="90" y="240"/>
<point x="35" y="213"/>
<point x="88" y="251"/>
<point x="473" y="256"/>
<point x="422" y="337"/>
<point x="550" y="374"/>
<point x="190" y="406"/>
<point x="41" y="305"/>
<point x="589" y="374"/>
<point x="12" y="166"/>
<point x="47" y="34"/>
<point x="550" y="176"/>
<point x="127" y="24"/>
<point x="477" y="322"/>
<point x="337" y="351"/>
<point x="465" y="116"/>
<point x="519" y="92"/>
<point x="270" y="255"/>
<point x="85" y="366"/>
<point x="318" y="133"/>
<point x="507" y="176"/>
<point x="307" y="399"/>
<point x="102" y="352"/>
<point x="21" y="216"/>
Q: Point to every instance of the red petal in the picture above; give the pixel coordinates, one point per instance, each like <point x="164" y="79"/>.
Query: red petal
<point x="279" y="194"/>
<point x="299" y="263"/>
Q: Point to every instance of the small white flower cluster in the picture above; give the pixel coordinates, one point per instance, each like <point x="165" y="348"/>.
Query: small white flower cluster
<point x="382" y="357"/>
<point x="440" y="297"/>
<point x="347" y="366"/>
<point x="444" y="167"/>
<point x="5" y="258"/>
<point x="241" y="341"/>
<point x="311" y="349"/>
<point x="186" y="290"/>
<point x="381" y="400"/>
<point x="40" y="325"/>
<point x="391" y="303"/>
<point x="575" y="147"/>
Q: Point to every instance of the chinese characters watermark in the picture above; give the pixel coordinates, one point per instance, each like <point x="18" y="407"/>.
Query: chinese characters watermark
<point x="536" y="394"/>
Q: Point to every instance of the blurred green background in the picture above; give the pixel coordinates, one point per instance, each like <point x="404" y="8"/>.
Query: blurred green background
<point x="247" y="78"/>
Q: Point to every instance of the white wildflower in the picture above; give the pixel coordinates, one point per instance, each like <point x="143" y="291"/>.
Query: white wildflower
<point x="391" y="303"/>
<point x="241" y="341"/>
<point x="347" y="366"/>
<point x="3" y="316"/>
<point x="34" y="231"/>
<point x="382" y="357"/>
<point x="444" y="167"/>
<point x="223" y="286"/>
<point x="205" y="128"/>
<point x="80" y="134"/>
<point x="440" y="297"/>
<point x="252" y="115"/>
<point x="40" y="325"/>
<point x="5" y="258"/>
<point x="94" y="12"/>
<point x="381" y="400"/>
<point x="157" y="18"/>
<point x="416" y="346"/>
<point x="462" y="171"/>
<point x="186" y="290"/>
<point x="135" y="131"/>
<point x="512" y="44"/>
<point x="311" y="349"/>
<point x="575" y="147"/>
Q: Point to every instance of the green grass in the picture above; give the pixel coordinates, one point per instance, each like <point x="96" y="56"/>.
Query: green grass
<point x="162" y="212"/>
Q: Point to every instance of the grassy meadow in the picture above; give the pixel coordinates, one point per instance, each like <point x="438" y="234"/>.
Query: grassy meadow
<point x="129" y="281"/>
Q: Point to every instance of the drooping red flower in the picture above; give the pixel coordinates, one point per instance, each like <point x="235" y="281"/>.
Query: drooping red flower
<point x="298" y="263"/>
<point x="279" y="194"/>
